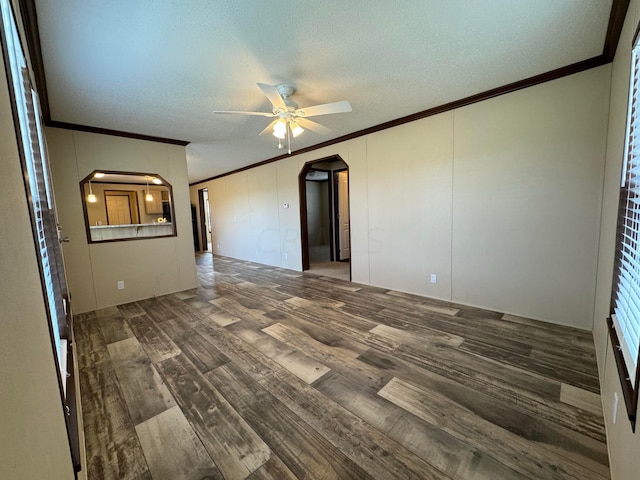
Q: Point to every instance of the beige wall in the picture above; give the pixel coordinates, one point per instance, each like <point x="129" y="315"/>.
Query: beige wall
<point x="500" y="199"/>
<point x="623" y="444"/>
<point x="148" y="267"/>
<point x="33" y="437"/>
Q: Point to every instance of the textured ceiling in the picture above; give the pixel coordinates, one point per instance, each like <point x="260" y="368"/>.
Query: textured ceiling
<point x="161" y="67"/>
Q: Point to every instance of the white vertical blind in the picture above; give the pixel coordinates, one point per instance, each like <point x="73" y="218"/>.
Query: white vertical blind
<point x="39" y="182"/>
<point x="626" y="318"/>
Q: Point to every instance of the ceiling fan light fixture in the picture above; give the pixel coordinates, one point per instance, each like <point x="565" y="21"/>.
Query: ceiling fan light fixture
<point x="296" y="129"/>
<point x="286" y="114"/>
<point x="280" y="128"/>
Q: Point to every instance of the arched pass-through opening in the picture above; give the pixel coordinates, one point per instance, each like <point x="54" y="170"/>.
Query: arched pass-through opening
<point x="324" y="217"/>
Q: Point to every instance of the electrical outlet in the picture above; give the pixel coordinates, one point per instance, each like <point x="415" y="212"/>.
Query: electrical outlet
<point x="120" y="284"/>
<point x="434" y="278"/>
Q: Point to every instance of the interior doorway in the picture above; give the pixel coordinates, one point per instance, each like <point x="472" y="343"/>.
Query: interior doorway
<point x="205" y="219"/>
<point x="324" y="216"/>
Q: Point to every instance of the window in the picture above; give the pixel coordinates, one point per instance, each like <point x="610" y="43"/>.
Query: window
<point x="624" y="324"/>
<point x="39" y="189"/>
<point x="33" y="153"/>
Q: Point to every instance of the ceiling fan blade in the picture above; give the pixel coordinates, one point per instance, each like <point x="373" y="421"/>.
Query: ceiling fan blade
<point x="311" y="125"/>
<point x="273" y="95"/>
<point x="324" y="109"/>
<point x="269" y="127"/>
<point x="262" y="114"/>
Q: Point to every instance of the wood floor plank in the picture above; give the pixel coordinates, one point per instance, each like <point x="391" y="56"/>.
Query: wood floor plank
<point x="201" y="301"/>
<point x="556" y="413"/>
<point x="421" y="339"/>
<point x="305" y="451"/>
<point x="300" y="447"/>
<point x="267" y="345"/>
<point x="223" y="318"/>
<point x="274" y="469"/>
<point x="156" y="310"/>
<point x="432" y="305"/>
<point x="547" y="433"/>
<point x="91" y="348"/>
<point x="338" y="426"/>
<point x="443" y="451"/>
<point x="319" y="333"/>
<point x="185" y="294"/>
<point x="508" y="448"/>
<point x="307" y="303"/>
<point x="461" y="328"/>
<point x="530" y="331"/>
<point x="113" y="325"/>
<point x="483" y="373"/>
<point x="129" y="310"/>
<point x="112" y="446"/>
<point x="580" y="398"/>
<point x="348" y="325"/>
<point x="232" y="444"/>
<point x="234" y="308"/>
<point x="332" y="358"/>
<point x="555" y="371"/>
<point x="301" y="365"/>
<point x="582" y="362"/>
<point x="155" y="342"/>
<point x="350" y="287"/>
<point x="173" y="450"/>
<point x="200" y="350"/>
<point x="144" y="392"/>
<point x="281" y="375"/>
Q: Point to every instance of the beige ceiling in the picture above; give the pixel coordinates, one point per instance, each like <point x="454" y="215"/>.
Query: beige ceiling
<point x="160" y="67"/>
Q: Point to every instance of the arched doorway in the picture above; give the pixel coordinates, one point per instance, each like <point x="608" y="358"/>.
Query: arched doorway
<point x="324" y="217"/>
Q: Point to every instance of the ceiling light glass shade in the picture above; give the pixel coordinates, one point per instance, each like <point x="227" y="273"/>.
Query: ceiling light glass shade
<point x="279" y="135"/>
<point x="148" y="197"/>
<point x="91" y="198"/>
<point x="280" y="128"/>
<point x="296" y="129"/>
<point x="98" y="175"/>
<point x="156" y="180"/>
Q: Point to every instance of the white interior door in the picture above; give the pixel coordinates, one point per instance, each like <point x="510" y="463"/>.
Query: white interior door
<point x="118" y="210"/>
<point x="343" y="216"/>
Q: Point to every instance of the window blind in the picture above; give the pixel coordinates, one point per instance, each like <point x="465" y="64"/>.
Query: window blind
<point x="625" y="318"/>
<point x="39" y="184"/>
<point x="33" y="155"/>
<point x="627" y="300"/>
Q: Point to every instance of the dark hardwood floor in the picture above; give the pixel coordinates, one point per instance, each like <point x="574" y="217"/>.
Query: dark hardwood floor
<point x="266" y="373"/>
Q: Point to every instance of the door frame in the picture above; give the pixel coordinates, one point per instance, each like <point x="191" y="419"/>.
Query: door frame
<point x="335" y="240"/>
<point x="204" y="245"/>
<point x="302" y="190"/>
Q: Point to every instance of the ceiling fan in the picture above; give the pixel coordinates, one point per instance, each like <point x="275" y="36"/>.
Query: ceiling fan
<point x="289" y="119"/>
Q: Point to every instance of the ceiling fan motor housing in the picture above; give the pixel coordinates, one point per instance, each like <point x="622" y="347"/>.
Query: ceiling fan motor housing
<point x="285" y="92"/>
